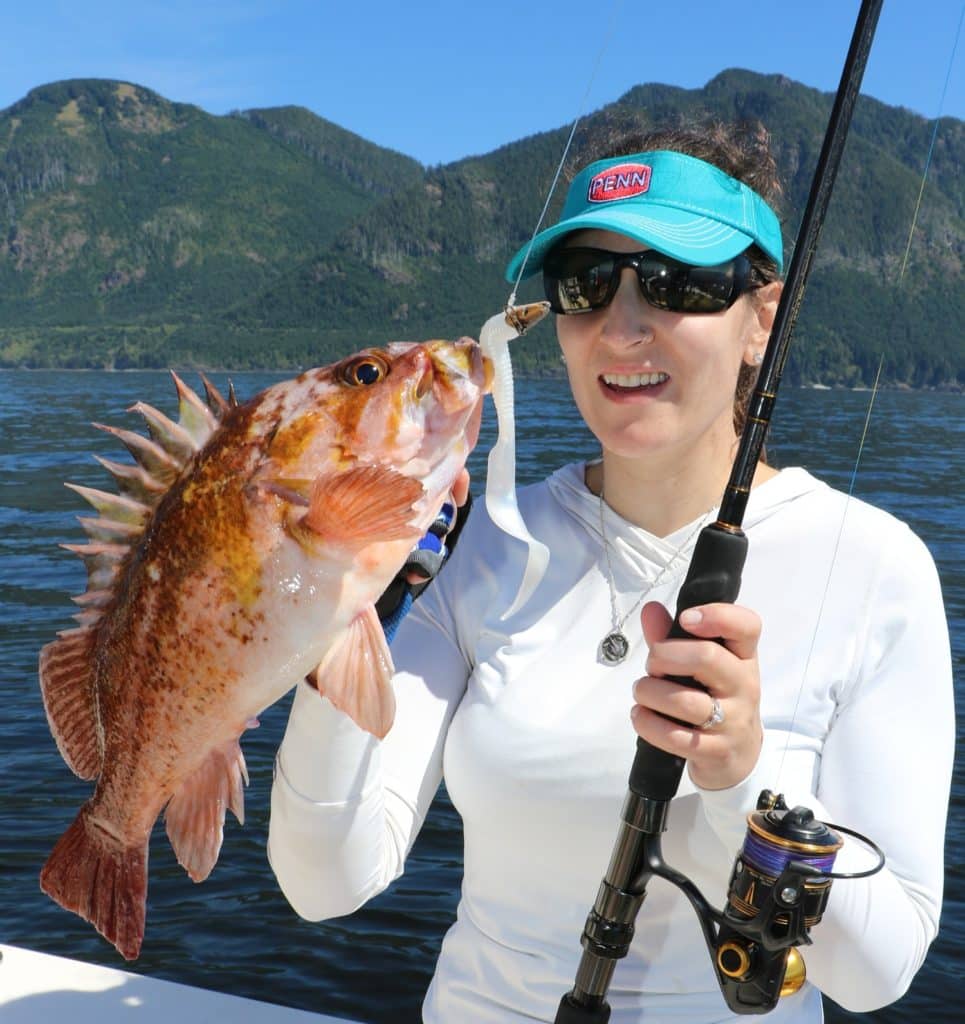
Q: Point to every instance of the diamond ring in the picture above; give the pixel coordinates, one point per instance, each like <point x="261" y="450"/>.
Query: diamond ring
<point x="716" y="715"/>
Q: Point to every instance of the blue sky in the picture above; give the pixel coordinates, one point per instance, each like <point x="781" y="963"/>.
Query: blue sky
<point x="442" y="80"/>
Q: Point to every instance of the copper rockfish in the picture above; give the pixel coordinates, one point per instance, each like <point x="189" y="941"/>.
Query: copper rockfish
<point x="246" y="550"/>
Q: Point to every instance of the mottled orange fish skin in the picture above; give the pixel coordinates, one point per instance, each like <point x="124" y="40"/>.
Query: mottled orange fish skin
<point x="337" y="412"/>
<point x="191" y="607"/>
<point x="168" y="651"/>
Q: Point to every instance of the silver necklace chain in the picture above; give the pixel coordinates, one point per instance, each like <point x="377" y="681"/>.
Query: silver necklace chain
<point x="615" y="646"/>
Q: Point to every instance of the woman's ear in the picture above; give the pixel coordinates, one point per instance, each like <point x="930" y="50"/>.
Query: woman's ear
<point x="764" y="302"/>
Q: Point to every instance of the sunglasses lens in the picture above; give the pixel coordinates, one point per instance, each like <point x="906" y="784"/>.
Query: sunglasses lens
<point x="581" y="280"/>
<point x="578" y="280"/>
<point x="681" y="288"/>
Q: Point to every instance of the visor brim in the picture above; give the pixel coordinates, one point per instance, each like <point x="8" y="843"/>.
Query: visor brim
<point x="680" y="234"/>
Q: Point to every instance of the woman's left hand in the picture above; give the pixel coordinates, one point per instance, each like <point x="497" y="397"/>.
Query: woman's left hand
<point x="723" y="754"/>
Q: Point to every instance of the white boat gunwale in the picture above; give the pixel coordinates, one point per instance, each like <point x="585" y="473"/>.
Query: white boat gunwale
<point x="41" y="987"/>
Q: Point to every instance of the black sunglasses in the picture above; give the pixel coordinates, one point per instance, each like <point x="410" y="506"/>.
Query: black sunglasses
<point x="581" y="280"/>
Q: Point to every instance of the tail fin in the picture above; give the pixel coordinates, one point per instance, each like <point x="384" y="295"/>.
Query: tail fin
<point x="91" y="873"/>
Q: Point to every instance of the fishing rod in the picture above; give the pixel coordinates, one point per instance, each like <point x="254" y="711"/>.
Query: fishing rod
<point x="782" y="876"/>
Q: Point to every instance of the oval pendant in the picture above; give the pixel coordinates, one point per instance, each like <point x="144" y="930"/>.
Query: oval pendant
<point x="613" y="648"/>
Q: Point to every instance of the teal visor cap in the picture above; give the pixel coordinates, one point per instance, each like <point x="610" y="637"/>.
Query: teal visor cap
<point x="683" y="207"/>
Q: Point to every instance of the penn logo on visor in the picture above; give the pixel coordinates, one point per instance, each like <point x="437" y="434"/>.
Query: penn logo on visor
<point x="620" y="182"/>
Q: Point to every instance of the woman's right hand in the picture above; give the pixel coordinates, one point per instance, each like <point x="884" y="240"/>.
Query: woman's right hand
<point x="723" y="659"/>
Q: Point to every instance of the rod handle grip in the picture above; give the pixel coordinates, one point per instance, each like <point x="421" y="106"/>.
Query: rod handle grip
<point x="714" y="576"/>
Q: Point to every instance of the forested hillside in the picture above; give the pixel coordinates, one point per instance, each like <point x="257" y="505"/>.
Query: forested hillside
<point x="140" y="232"/>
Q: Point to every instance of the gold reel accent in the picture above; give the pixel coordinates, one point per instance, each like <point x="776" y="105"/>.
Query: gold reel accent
<point x="734" y="960"/>
<point x="795" y="973"/>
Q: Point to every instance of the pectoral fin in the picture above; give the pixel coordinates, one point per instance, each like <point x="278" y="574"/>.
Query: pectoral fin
<point x="356" y="675"/>
<point x="363" y="504"/>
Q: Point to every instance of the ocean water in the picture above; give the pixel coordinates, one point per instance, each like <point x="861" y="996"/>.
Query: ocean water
<point x="235" y="932"/>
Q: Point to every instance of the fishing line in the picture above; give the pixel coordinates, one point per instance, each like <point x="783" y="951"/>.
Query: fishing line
<point x="874" y="394"/>
<point x="934" y="136"/>
<point x="614" y="11"/>
<point x="501" y="501"/>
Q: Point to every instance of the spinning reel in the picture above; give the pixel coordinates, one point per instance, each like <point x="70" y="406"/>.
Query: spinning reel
<point x="778" y="892"/>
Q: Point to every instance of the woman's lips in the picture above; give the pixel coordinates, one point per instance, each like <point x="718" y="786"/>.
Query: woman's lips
<point x="633" y="383"/>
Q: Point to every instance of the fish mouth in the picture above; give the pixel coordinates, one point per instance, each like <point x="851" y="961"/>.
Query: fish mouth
<point x="456" y="376"/>
<point x="459" y="373"/>
<point x="479" y="372"/>
<point x="466" y="357"/>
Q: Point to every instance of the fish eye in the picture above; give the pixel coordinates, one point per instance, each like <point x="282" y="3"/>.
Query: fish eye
<point x="364" y="371"/>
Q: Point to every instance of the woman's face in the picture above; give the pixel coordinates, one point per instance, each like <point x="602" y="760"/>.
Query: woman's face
<point x="654" y="383"/>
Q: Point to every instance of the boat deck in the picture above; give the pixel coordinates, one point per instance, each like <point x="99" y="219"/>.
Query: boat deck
<point x="38" y="987"/>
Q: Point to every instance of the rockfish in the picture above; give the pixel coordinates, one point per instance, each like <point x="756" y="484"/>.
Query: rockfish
<point x="245" y="551"/>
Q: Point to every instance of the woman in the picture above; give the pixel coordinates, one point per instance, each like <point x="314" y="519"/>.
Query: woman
<point x="663" y="271"/>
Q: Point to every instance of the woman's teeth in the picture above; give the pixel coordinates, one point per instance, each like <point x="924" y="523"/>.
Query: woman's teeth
<point x="634" y="380"/>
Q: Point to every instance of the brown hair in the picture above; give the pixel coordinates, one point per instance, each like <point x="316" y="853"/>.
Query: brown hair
<point x="740" y="150"/>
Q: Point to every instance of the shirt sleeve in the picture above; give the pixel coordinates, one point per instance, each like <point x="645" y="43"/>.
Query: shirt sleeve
<point x="346" y="808"/>
<point x="886" y="773"/>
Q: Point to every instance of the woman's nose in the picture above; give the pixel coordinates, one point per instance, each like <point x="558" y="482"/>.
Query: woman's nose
<point x="629" y="315"/>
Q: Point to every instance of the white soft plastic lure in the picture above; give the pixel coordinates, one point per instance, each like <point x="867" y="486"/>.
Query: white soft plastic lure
<point x="501" y="503"/>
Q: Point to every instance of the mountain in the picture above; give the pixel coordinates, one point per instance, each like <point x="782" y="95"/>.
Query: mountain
<point x="128" y="214"/>
<point x="144" y="232"/>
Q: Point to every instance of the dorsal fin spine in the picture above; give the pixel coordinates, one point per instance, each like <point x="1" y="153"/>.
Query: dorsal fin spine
<point x="109" y="531"/>
<point x="114" y="506"/>
<point x="102" y="561"/>
<point x="193" y="415"/>
<point x="216" y="401"/>
<point x="171" y="436"/>
<point x="134" y="480"/>
<point x="122" y="518"/>
<point x="151" y="456"/>
<point x="93" y="598"/>
<point x="88" y="617"/>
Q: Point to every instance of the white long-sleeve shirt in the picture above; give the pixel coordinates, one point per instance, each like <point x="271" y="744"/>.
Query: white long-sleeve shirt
<point x="533" y="737"/>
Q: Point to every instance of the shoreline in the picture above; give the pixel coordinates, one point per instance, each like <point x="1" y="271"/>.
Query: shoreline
<point x="520" y="374"/>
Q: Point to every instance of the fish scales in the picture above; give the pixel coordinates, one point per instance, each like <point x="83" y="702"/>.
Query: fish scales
<point x="269" y="530"/>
